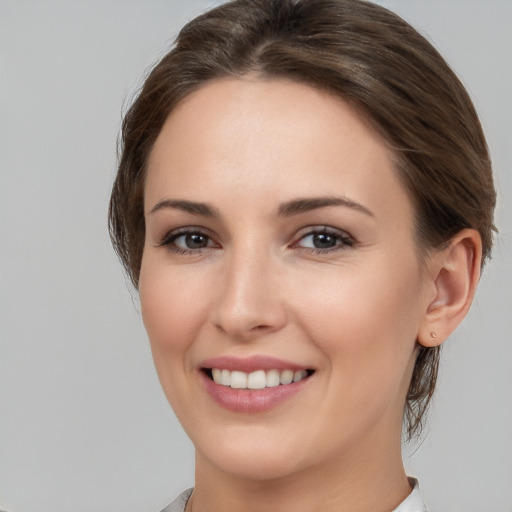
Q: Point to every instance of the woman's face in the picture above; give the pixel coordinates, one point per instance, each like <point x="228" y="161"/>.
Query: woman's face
<point x="280" y="244"/>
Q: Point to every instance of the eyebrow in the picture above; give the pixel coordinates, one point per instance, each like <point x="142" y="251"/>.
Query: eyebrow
<point x="288" y="209"/>
<point x="192" y="207"/>
<point x="298" y="206"/>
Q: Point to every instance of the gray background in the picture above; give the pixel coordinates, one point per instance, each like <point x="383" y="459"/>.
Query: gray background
<point x="83" y="423"/>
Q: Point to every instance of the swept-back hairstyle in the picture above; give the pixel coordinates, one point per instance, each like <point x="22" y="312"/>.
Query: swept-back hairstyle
<point x="367" y="56"/>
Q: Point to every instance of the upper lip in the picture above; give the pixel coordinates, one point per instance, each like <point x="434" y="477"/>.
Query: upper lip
<point x="250" y="364"/>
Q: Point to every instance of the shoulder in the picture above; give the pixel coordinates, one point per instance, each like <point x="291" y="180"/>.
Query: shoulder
<point x="179" y="504"/>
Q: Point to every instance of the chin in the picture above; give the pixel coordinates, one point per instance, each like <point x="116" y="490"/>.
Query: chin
<point x="259" y="467"/>
<point x="259" y="456"/>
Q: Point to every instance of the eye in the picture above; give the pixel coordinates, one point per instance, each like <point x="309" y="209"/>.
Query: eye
<point x="325" y="240"/>
<point x="191" y="241"/>
<point x="187" y="241"/>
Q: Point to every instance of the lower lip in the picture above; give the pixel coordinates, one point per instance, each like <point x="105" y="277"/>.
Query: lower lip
<point x="251" y="400"/>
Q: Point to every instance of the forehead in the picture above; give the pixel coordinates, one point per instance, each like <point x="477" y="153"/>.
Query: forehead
<point x="270" y="138"/>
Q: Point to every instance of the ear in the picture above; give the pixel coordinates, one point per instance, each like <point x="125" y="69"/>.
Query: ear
<point x="455" y="272"/>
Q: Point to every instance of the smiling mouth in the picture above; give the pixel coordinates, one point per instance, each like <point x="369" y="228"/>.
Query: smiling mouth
<point x="259" y="379"/>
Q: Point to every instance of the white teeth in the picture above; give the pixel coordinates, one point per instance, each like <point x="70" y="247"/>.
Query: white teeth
<point x="225" y="378"/>
<point x="272" y="379"/>
<point x="238" y="380"/>
<point x="258" y="379"/>
<point x="298" y="376"/>
<point x="286" y="377"/>
<point x="217" y="375"/>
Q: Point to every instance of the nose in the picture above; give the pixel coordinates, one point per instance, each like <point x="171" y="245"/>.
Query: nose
<point x="249" y="303"/>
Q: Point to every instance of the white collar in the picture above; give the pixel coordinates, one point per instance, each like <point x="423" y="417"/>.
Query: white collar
<point x="414" y="502"/>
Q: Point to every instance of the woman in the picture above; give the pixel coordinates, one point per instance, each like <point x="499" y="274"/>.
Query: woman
<point x="304" y="202"/>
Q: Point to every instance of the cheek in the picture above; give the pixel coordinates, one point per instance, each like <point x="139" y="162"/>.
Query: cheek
<point x="367" y="336"/>
<point x="366" y="324"/>
<point x="172" y="306"/>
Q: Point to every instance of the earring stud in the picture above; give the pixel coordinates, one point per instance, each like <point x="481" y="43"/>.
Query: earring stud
<point x="433" y="334"/>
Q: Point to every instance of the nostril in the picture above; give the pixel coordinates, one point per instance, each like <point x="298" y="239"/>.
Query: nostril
<point x="261" y="327"/>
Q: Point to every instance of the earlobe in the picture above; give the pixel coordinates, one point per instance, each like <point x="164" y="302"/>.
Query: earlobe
<point x="455" y="275"/>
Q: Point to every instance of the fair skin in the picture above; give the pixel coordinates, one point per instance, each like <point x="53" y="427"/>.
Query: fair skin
<point x="278" y="235"/>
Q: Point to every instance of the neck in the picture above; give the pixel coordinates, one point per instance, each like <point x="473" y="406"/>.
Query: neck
<point x="369" y="478"/>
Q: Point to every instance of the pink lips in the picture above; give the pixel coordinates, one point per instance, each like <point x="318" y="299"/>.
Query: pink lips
<point x="250" y="400"/>
<point x="250" y="364"/>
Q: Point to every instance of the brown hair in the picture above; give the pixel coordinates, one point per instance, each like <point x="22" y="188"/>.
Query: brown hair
<point x="365" y="55"/>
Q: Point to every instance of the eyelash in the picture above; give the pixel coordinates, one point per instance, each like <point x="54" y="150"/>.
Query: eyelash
<point x="169" y="240"/>
<point x="343" y="240"/>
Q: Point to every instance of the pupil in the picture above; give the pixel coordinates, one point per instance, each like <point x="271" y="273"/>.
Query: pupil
<point x="324" y="240"/>
<point x="196" y="241"/>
